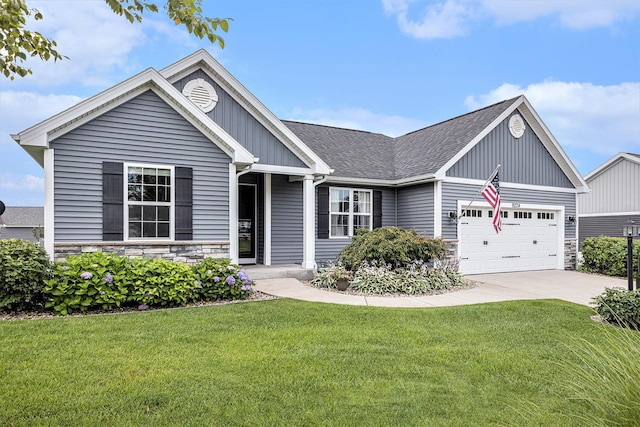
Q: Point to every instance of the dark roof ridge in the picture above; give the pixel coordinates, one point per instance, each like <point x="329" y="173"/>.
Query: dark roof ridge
<point x="336" y="127"/>
<point x="462" y="115"/>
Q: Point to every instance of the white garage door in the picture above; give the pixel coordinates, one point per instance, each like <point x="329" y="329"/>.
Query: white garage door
<point x="528" y="241"/>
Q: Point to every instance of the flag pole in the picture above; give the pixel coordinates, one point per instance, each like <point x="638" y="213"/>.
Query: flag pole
<point x="495" y="171"/>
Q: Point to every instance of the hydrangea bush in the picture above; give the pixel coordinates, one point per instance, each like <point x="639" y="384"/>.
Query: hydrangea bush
<point x="221" y="280"/>
<point x="24" y="267"/>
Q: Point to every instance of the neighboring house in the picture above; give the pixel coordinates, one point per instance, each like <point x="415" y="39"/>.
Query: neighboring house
<point x="614" y="198"/>
<point x="19" y="222"/>
<point x="185" y="162"/>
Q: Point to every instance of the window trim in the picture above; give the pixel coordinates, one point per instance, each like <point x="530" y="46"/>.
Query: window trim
<point x="351" y="214"/>
<point x="172" y="204"/>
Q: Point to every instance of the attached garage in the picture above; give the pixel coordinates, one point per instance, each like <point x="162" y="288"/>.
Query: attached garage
<point x="531" y="239"/>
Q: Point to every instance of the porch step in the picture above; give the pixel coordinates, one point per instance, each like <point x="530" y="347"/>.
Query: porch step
<point x="294" y="271"/>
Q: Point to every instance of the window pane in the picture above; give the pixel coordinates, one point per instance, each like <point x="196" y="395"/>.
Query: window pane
<point x="360" y="221"/>
<point x="135" y="175"/>
<point x="339" y="225"/>
<point x="149" y="194"/>
<point x="362" y="201"/>
<point x="135" y="229"/>
<point x="339" y="200"/>
<point x="163" y="213"/>
<point x="149" y="213"/>
<point x="149" y="176"/>
<point x="135" y="213"/>
<point x="164" y="176"/>
<point x="149" y="229"/>
<point x="134" y="193"/>
<point x="163" y="229"/>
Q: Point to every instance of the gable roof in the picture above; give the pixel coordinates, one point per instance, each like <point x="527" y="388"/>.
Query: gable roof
<point x="425" y="154"/>
<point x="201" y="59"/>
<point x="20" y="216"/>
<point x="635" y="158"/>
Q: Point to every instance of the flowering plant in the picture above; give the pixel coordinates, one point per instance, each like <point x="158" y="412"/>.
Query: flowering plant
<point x="341" y="273"/>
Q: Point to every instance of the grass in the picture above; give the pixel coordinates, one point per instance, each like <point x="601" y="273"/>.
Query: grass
<point x="292" y="363"/>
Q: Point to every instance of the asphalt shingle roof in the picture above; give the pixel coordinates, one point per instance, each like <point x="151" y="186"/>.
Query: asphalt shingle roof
<point x="360" y="154"/>
<point x="15" y="216"/>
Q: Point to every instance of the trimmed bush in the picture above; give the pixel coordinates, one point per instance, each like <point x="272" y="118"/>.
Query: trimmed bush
<point x="24" y="267"/>
<point x="390" y="245"/>
<point x="619" y="307"/>
<point x="159" y="282"/>
<point x="221" y="280"/>
<point x="607" y="255"/>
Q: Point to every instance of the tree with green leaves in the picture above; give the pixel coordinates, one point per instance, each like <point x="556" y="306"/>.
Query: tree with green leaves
<point x="17" y="42"/>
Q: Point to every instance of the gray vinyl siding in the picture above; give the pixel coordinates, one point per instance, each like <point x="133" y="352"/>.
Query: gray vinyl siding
<point x="452" y="192"/>
<point x="287" y="231"/>
<point x="22" y="233"/>
<point x="524" y="160"/>
<point x="244" y="128"/>
<point x="143" y="130"/>
<point x="328" y="249"/>
<point x="616" y="189"/>
<point x="606" y="225"/>
<point x="415" y="208"/>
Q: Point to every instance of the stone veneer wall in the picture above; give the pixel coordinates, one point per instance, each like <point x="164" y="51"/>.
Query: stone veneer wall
<point x="190" y="252"/>
<point x="570" y="254"/>
<point x="452" y="255"/>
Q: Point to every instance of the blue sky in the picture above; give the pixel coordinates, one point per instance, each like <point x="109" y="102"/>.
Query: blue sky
<point x="388" y="66"/>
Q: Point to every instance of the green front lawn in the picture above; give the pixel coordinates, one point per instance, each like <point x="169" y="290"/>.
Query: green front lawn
<point x="291" y="363"/>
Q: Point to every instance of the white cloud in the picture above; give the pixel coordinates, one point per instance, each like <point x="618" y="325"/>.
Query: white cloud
<point x="452" y="18"/>
<point x="27" y="183"/>
<point x="359" y="119"/>
<point x="603" y="120"/>
<point x="97" y="42"/>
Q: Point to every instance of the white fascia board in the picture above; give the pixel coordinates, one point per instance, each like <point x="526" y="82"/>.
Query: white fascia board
<point x="552" y="145"/>
<point x="480" y="182"/>
<point x="281" y="170"/>
<point x="245" y="98"/>
<point x="41" y="134"/>
<point x="592" y="215"/>
<point x="603" y="167"/>
<point x="382" y="182"/>
<point x="442" y="172"/>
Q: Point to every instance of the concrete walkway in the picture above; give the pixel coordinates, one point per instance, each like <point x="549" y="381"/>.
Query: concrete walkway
<point x="570" y="286"/>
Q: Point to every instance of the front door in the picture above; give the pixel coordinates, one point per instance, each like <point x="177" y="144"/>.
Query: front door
<point x="247" y="226"/>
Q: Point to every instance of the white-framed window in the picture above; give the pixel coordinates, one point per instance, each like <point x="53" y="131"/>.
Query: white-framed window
<point x="149" y="202"/>
<point x="350" y="209"/>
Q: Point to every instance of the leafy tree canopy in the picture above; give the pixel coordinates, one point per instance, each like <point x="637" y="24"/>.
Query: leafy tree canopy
<point x="18" y="42"/>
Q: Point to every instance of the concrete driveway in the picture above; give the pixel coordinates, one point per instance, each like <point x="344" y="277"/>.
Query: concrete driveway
<point x="570" y="286"/>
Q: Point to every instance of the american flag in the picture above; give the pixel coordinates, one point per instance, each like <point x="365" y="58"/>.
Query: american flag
<point x="491" y="193"/>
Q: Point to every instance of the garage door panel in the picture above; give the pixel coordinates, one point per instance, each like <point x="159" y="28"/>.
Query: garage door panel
<point x="526" y="243"/>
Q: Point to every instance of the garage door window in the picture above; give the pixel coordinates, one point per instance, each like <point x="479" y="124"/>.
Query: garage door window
<point x="522" y="215"/>
<point x="504" y="214"/>
<point x="545" y="215"/>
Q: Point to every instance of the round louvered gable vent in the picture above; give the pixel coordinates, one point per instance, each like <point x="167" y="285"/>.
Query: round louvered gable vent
<point x="516" y="126"/>
<point x="201" y="93"/>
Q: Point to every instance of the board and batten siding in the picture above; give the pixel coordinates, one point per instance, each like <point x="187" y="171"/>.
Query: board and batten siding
<point x="286" y="220"/>
<point x="616" y="189"/>
<point x="605" y="225"/>
<point x="415" y="208"/>
<point x="143" y="130"/>
<point x="524" y="160"/>
<point x="243" y="127"/>
<point x="452" y="192"/>
<point x="328" y="249"/>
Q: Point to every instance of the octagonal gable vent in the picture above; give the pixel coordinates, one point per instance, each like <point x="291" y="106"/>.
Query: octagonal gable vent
<point x="201" y="93"/>
<point x="516" y="126"/>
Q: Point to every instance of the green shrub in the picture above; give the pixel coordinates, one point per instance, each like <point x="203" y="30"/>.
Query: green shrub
<point x="221" y="280"/>
<point x="159" y="282"/>
<point x="89" y="281"/>
<point x="391" y="245"/>
<point x="606" y="379"/>
<point x="607" y="255"/>
<point x="24" y="267"/>
<point x="620" y="307"/>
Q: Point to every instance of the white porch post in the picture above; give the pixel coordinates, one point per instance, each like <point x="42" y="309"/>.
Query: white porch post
<point x="233" y="214"/>
<point x="49" y="208"/>
<point x="437" y="209"/>
<point x="308" y="209"/>
<point x="267" y="219"/>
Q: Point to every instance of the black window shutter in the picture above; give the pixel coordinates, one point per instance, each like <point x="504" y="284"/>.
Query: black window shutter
<point x="184" y="203"/>
<point x="377" y="209"/>
<point x="112" y="201"/>
<point x="323" y="212"/>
